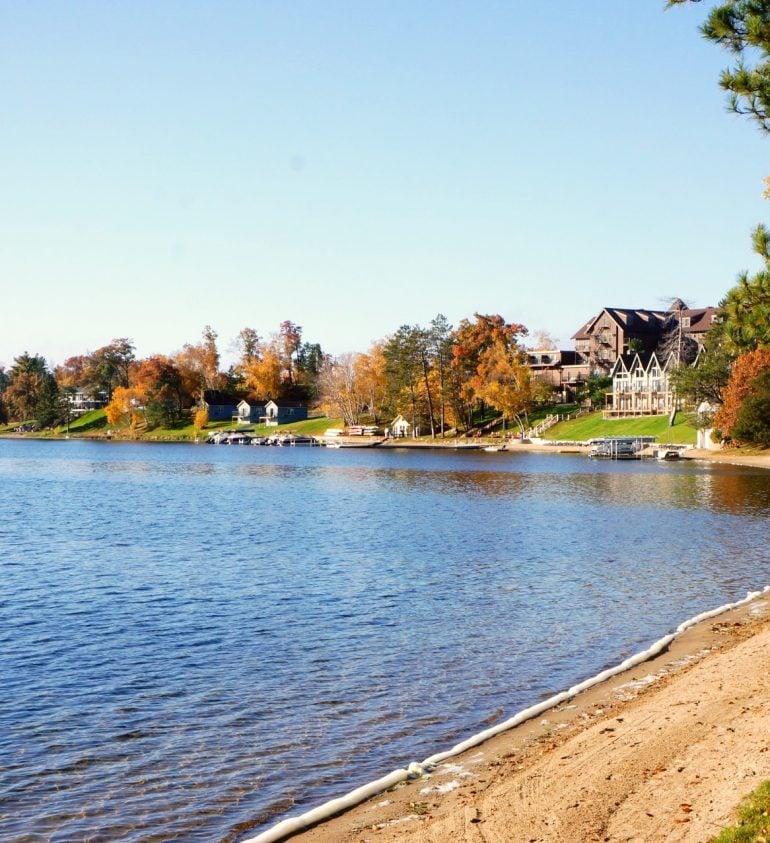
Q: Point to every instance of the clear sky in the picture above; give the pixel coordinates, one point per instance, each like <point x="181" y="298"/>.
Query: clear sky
<point x="354" y="166"/>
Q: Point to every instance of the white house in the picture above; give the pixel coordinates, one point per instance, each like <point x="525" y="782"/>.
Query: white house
<point x="284" y="412"/>
<point x="400" y="427"/>
<point x="250" y="410"/>
<point x="640" y="386"/>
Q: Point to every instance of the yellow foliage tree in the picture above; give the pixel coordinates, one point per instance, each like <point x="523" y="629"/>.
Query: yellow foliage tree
<point x="122" y="410"/>
<point x="201" y="418"/>
<point x="506" y="381"/>
<point x="263" y="376"/>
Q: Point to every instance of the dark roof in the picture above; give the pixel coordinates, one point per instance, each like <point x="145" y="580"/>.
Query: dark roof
<point x="254" y="400"/>
<point x="221" y="398"/>
<point x="637" y="320"/>
<point x="701" y="319"/>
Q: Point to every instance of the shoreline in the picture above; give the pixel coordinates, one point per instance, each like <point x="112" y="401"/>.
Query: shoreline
<point x="488" y="781"/>
<point x="727" y="456"/>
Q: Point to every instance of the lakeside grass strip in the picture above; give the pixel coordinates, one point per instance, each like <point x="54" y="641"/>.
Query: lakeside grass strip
<point x="293" y="825"/>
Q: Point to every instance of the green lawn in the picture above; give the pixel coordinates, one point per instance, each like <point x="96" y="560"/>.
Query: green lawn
<point x="94" y="424"/>
<point x="91" y="421"/>
<point x="753" y="819"/>
<point x="592" y="426"/>
<point x="310" y="427"/>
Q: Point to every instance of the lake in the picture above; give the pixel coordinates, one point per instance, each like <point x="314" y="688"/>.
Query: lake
<point x="197" y="641"/>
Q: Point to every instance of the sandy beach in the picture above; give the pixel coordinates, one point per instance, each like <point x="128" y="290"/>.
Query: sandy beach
<point x="665" y="751"/>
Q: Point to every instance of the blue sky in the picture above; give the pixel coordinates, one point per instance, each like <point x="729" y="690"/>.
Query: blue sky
<point x="353" y="166"/>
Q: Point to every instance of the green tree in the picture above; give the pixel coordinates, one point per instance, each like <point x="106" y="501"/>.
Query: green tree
<point x="743" y="28"/>
<point x="405" y="359"/>
<point x="746" y="307"/>
<point x="707" y="377"/>
<point x="440" y="342"/>
<point x="32" y="392"/>
<point x="104" y="369"/>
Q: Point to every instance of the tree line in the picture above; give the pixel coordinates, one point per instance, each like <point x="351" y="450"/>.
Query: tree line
<point x="160" y="390"/>
<point x="438" y="376"/>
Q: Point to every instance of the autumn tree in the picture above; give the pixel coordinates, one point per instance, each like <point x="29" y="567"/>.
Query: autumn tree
<point x="125" y="408"/>
<point x="198" y="365"/>
<point x="746" y="369"/>
<point x="753" y="422"/>
<point x="506" y="381"/>
<point x="73" y="372"/>
<point x="371" y="380"/>
<point x="262" y="375"/>
<point x="471" y="341"/>
<point x="160" y="386"/>
<point x="339" y="388"/>
<point x="201" y="418"/>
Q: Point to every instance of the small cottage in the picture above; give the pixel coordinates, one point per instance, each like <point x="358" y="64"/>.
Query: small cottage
<point x="400" y="427"/>
<point x="283" y="412"/>
<point x="221" y="406"/>
<point x="250" y="410"/>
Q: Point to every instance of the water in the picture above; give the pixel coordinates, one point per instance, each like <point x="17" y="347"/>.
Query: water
<point x="198" y="641"/>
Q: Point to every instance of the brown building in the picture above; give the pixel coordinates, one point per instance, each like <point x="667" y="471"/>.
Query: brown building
<point x="616" y="331"/>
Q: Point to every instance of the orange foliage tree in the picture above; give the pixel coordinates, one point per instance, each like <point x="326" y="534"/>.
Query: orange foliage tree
<point x="746" y="369"/>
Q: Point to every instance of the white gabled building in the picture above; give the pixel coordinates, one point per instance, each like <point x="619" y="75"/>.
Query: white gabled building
<point x="640" y="386"/>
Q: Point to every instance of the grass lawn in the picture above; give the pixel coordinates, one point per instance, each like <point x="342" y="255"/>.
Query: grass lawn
<point x="753" y="819"/>
<point x="309" y="427"/>
<point x="94" y="424"/>
<point x="91" y="421"/>
<point x="592" y="426"/>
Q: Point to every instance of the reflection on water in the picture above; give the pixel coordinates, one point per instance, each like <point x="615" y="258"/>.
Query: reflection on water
<point x="196" y="640"/>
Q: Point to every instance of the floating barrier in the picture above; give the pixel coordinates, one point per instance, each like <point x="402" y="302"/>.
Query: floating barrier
<point x="293" y="825"/>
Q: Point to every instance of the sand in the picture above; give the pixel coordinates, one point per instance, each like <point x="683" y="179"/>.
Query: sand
<point x="665" y="751"/>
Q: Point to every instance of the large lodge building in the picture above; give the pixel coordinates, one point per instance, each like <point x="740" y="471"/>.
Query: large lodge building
<point x="615" y="332"/>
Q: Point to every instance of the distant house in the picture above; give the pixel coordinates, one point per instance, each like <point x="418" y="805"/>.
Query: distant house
<point x="400" y="427"/>
<point x="284" y="412"/>
<point x="559" y="369"/>
<point x="640" y="386"/>
<point x="81" y="401"/>
<point x="251" y="410"/>
<point x="221" y="406"/>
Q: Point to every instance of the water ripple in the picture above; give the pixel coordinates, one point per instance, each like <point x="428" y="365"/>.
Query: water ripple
<point x="194" y="641"/>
